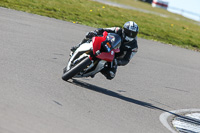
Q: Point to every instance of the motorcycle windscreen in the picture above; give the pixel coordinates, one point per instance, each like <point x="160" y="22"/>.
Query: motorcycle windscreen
<point x="115" y="40"/>
<point x="97" y="43"/>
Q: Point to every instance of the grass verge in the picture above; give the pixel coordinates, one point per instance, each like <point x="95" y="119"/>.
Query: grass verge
<point x="87" y="12"/>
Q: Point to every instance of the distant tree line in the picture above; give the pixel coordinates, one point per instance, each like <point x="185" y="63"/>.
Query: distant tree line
<point x="148" y="1"/>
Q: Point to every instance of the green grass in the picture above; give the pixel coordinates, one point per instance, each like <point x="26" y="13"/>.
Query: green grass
<point x="181" y="32"/>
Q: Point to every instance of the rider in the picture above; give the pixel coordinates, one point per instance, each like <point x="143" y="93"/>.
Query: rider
<point x="128" y="46"/>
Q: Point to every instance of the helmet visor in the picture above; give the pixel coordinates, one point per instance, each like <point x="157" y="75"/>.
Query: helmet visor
<point x="129" y="33"/>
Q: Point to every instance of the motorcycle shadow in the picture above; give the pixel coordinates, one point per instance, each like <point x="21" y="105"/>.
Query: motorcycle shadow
<point x="111" y="93"/>
<point x="127" y="99"/>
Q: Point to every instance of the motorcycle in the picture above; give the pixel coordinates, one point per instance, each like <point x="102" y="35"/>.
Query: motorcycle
<point x="90" y="58"/>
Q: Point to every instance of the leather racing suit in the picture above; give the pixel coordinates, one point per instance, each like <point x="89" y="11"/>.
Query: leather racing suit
<point x="128" y="49"/>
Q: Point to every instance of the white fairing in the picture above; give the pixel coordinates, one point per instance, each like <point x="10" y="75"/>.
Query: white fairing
<point x="99" y="67"/>
<point x="83" y="47"/>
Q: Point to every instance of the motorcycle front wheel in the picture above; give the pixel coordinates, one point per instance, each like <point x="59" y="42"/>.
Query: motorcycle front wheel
<point x="76" y="69"/>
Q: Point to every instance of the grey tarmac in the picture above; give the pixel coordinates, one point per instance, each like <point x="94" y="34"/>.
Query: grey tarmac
<point x="34" y="98"/>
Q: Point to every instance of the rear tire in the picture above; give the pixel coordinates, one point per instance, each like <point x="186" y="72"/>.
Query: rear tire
<point x="76" y="69"/>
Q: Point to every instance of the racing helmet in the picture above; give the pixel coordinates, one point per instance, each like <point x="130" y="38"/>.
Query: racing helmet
<point x="130" y="30"/>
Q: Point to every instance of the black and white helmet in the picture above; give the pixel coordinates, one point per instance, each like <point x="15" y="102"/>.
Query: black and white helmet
<point x="130" y="30"/>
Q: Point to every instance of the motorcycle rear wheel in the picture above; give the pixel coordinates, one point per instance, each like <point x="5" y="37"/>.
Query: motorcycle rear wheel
<point x="76" y="69"/>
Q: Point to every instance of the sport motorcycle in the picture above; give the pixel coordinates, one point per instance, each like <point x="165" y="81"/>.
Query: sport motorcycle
<point x="91" y="57"/>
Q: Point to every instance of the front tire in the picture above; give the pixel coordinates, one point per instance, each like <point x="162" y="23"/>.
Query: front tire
<point x="76" y="69"/>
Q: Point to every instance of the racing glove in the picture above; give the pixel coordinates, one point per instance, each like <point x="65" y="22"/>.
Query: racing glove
<point x="91" y="34"/>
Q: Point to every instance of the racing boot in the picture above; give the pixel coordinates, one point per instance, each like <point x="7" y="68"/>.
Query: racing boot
<point x="74" y="48"/>
<point x="108" y="73"/>
<point x="110" y="70"/>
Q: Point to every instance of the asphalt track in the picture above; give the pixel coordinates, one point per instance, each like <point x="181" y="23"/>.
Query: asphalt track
<point x="34" y="98"/>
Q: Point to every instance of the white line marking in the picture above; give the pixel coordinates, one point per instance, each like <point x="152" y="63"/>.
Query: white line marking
<point x="185" y="125"/>
<point x="164" y="116"/>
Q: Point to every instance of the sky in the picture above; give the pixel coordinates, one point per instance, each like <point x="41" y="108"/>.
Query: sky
<point x="184" y="7"/>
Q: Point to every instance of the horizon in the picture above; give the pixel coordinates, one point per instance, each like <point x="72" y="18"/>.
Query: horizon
<point x="189" y="9"/>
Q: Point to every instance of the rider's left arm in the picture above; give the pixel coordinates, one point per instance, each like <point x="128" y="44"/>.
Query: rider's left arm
<point x="130" y="51"/>
<point x="116" y="30"/>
